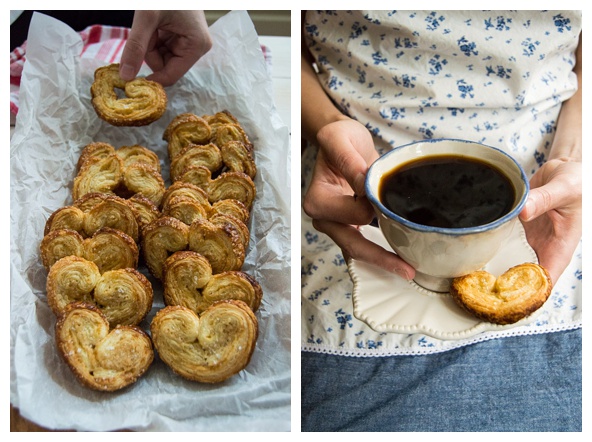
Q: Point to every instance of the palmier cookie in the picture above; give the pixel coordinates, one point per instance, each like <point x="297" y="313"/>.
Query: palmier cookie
<point x="517" y="293"/>
<point x="188" y="281"/>
<point x="100" y="358"/>
<point x="124" y="296"/>
<point x="207" y="348"/>
<point x="145" y="101"/>
<point x="109" y="249"/>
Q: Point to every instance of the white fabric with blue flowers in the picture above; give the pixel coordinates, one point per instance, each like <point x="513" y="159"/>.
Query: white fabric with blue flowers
<point x="498" y="78"/>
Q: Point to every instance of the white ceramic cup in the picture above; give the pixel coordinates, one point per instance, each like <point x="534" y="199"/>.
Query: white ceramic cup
<point x="440" y="254"/>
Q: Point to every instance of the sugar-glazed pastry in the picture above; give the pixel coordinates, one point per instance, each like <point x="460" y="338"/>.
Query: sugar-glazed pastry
<point x="144" y="102"/>
<point x="188" y="281"/>
<point x="206" y="155"/>
<point x="207" y="348"/>
<point x="238" y="157"/>
<point x="517" y="293"/>
<point x="186" y="129"/>
<point x="108" y="248"/>
<point x="229" y="185"/>
<point x="88" y="215"/>
<point x="161" y="238"/>
<point x="146" y="211"/>
<point x="220" y="243"/>
<point x="124" y="296"/>
<point x="124" y="172"/>
<point x="102" y="175"/>
<point x="100" y="358"/>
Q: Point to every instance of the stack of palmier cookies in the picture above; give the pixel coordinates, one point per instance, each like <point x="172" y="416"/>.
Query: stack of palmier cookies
<point x="193" y="238"/>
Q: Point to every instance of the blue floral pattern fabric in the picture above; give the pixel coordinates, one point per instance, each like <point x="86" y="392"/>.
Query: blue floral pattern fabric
<point x="495" y="77"/>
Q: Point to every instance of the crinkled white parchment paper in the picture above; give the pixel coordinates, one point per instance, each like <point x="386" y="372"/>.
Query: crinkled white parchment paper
<point x="55" y="121"/>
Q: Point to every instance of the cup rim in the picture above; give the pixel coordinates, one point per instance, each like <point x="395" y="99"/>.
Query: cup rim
<point x="448" y="230"/>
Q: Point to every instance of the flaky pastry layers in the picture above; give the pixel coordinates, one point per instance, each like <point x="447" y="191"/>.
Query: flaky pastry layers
<point x="124" y="172"/>
<point x="100" y="358"/>
<point x="517" y="293"/>
<point x="109" y="249"/>
<point x="207" y="348"/>
<point x="144" y="102"/>
<point x="87" y="215"/>
<point x="188" y="281"/>
<point x="124" y="296"/>
<point x="220" y="244"/>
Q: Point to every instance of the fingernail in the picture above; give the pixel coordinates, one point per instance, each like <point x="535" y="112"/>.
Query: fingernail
<point x="527" y="210"/>
<point x="126" y="72"/>
<point x="359" y="183"/>
<point x="402" y="273"/>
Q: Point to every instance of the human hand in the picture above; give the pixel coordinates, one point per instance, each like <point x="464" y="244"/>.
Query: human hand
<point x="169" y="41"/>
<point x="336" y="198"/>
<point x="552" y="217"/>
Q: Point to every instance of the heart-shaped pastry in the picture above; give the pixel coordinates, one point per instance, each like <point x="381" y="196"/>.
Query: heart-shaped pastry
<point x="188" y="281"/>
<point x="186" y="129"/>
<point x="160" y="239"/>
<point x="220" y="243"/>
<point x="145" y="101"/>
<point x="192" y="155"/>
<point x="208" y="348"/>
<point x="124" y="295"/>
<point x="94" y="214"/>
<point x="99" y="358"/>
<point x="124" y="172"/>
<point x="517" y="293"/>
<point x="109" y="249"/>
<point x="238" y="157"/>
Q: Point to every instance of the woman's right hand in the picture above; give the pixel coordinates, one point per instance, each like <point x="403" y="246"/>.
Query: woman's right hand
<point x="336" y="199"/>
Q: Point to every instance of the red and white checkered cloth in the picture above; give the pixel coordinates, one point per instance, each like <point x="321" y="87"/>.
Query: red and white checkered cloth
<point x="100" y="42"/>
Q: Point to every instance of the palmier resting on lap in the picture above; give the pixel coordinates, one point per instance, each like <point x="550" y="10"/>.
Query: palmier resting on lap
<point x="108" y="248"/>
<point x="100" y="358"/>
<point x="96" y="212"/>
<point x="144" y="102"/>
<point x="188" y="281"/>
<point x="124" y="172"/>
<point x="186" y="129"/>
<point x="207" y="348"/>
<point x="124" y="296"/>
<point x="507" y="299"/>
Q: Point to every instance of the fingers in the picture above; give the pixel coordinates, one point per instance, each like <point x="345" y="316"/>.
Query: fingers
<point x="137" y="44"/>
<point x="349" y="149"/>
<point x="556" y="185"/>
<point x="354" y="245"/>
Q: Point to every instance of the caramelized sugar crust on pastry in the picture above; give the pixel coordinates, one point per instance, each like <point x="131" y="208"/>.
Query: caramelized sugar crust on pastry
<point x="144" y="102"/>
<point x="207" y="348"/>
<point x="100" y="358"/>
<point x="124" y="296"/>
<point x="517" y="293"/>
<point x="108" y="248"/>
<point x="124" y="172"/>
<point x="186" y="129"/>
<point x="188" y="281"/>
<point x="88" y="215"/>
<point x="160" y="239"/>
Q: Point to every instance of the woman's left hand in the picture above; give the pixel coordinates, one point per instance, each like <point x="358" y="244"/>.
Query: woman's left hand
<point x="552" y="217"/>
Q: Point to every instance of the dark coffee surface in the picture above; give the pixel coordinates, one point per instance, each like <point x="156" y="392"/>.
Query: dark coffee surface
<point x="447" y="191"/>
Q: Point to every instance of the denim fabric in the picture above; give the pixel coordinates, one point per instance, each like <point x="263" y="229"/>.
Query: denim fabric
<point x="523" y="383"/>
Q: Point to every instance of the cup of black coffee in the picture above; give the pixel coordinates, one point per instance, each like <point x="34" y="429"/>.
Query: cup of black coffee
<point x="446" y="206"/>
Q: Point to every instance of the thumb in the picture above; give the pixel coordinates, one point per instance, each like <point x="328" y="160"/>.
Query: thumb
<point x="135" y="49"/>
<point x="543" y="199"/>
